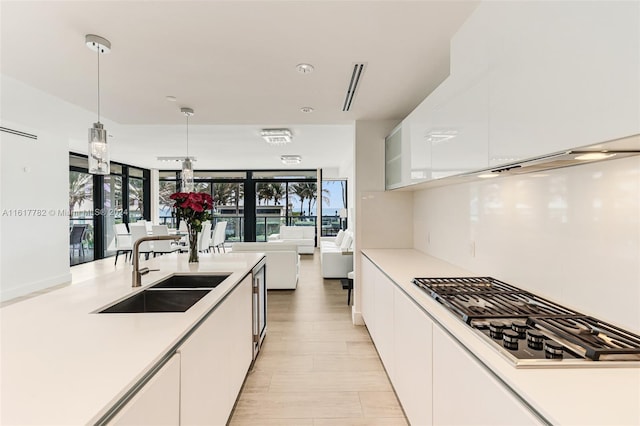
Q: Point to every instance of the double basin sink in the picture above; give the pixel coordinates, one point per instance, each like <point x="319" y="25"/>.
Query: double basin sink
<point x="176" y="293"/>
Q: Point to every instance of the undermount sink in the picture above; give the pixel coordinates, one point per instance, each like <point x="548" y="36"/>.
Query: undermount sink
<point x="176" y="293"/>
<point x="157" y="301"/>
<point x="191" y="281"/>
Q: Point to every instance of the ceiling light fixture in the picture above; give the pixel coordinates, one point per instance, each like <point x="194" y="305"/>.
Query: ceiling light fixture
<point x="488" y="175"/>
<point x="305" y="68"/>
<point x="307" y="110"/>
<point x="171" y="98"/>
<point x="276" y="136"/>
<point x="187" y="165"/>
<point x="290" y="159"/>
<point x="98" y="149"/>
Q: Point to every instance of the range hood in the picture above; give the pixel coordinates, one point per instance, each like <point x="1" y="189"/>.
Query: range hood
<point x="619" y="148"/>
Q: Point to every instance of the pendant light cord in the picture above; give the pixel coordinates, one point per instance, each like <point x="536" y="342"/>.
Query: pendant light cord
<point x="98" y="50"/>
<point x="187" y="136"/>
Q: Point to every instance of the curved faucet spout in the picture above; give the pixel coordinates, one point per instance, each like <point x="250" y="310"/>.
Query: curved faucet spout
<point x="136" y="275"/>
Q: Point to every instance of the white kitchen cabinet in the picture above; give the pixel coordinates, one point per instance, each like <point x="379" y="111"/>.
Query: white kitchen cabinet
<point x="561" y="75"/>
<point x="459" y="128"/>
<point x="527" y="79"/>
<point x="412" y="379"/>
<point x="377" y="311"/>
<point x="215" y="360"/>
<point x="465" y="393"/>
<point x="367" y="289"/>
<point x="393" y="157"/>
<point x="157" y="402"/>
<point x="383" y="313"/>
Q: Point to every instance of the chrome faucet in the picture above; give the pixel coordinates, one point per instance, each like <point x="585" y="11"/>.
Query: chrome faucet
<point x="136" y="275"/>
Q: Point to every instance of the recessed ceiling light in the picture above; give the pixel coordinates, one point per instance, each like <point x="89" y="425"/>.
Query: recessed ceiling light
<point x="488" y="175"/>
<point x="276" y="136"/>
<point x="290" y="159"/>
<point x="171" y="98"/>
<point x="306" y="110"/>
<point x="594" y="156"/>
<point x="305" y="68"/>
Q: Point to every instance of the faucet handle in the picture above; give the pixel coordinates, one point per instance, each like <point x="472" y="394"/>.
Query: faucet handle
<point x="143" y="271"/>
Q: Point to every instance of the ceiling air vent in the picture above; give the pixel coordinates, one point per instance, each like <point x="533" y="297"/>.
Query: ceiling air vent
<point x="356" y="75"/>
<point x="18" y="133"/>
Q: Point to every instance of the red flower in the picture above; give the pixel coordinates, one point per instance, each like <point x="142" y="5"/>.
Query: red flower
<point x="193" y="207"/>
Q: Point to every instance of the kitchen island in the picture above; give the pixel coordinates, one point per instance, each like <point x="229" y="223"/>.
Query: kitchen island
<point x="64" y="363"/>
<point x="446" y="373"/>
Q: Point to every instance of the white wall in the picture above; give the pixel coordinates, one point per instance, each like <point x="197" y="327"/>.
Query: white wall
<point x="572" y="234"/>
<point x="35" y="176"/>
<point x="35" y="235"/>
<point x="377" y="212"/>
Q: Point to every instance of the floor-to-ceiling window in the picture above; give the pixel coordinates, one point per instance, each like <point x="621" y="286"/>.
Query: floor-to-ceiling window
<point x="225" y="187"/>
<point x="334" y="210"/>
<point x="97" y="203"/>
<point x="113" y="207"/>
<point x="81" y="200"/>
<point x="254" y="203"/>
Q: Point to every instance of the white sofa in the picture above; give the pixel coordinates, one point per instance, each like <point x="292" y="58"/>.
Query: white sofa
<point x="336" y="255"/>
<point x="302" y="236"/>
<point x="283" y="263"/>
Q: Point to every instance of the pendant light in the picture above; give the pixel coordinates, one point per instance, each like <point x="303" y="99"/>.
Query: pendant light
<point x="187" y="164"/>
<point x="98" y="149"/>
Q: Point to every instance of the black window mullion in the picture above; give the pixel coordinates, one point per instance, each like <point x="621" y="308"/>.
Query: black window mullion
<point x="249" y="208"/>
<point x="125" y="195"/>
<point x="98" y="217"/>
<point x="146" y="194"/>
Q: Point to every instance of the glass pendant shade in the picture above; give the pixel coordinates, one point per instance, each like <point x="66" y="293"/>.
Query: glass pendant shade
<point x="98" y="150"/>
<point x="187" y="175"/>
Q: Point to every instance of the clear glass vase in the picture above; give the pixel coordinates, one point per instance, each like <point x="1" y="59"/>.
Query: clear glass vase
<point x="193" y="244"/>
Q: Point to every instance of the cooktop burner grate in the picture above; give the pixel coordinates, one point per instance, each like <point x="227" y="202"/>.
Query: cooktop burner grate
<point x="600" y="340"/>
<point x="490" y="305"/>
<point x="483" y="297"/>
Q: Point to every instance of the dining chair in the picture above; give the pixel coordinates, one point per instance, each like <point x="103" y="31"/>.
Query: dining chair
<point x="163" y="246"/>
<point x="123" y="241"/>
<point x="219" y="236"/>
<point x="139" y="230"/>
<point x="204" y="237"/>
<point x="76" y="239"/>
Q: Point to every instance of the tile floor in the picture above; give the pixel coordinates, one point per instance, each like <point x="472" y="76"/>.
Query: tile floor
<point x="316" y="367"/>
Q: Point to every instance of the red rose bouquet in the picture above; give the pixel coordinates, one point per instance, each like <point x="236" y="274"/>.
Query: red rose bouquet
<point x="194" y="208"/>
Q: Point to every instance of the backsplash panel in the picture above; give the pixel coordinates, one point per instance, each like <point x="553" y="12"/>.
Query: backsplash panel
<point x="570" y="234"/>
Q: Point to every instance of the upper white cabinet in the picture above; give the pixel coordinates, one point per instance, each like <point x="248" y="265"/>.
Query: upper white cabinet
<point x="561" y="75"/>
<point x="527" y="78"/>
<point x="459" y="128"/>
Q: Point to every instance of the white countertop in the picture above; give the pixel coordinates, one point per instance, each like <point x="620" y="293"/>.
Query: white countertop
<point x="566" y="396"/>
<point x="62" y="364"/>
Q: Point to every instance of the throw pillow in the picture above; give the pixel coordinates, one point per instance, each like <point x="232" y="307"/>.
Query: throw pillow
<point x="346" y="242"/>
<point x="339" y="237"/>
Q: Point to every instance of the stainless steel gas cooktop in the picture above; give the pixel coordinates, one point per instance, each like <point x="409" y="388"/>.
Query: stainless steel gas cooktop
<point x="529" y="330"/>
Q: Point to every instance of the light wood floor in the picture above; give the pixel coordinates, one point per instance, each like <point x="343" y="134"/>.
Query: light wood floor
<point x="316" y="367"/>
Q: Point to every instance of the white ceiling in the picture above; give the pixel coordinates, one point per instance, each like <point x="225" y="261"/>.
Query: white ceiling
<point x="233" y="62"/>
